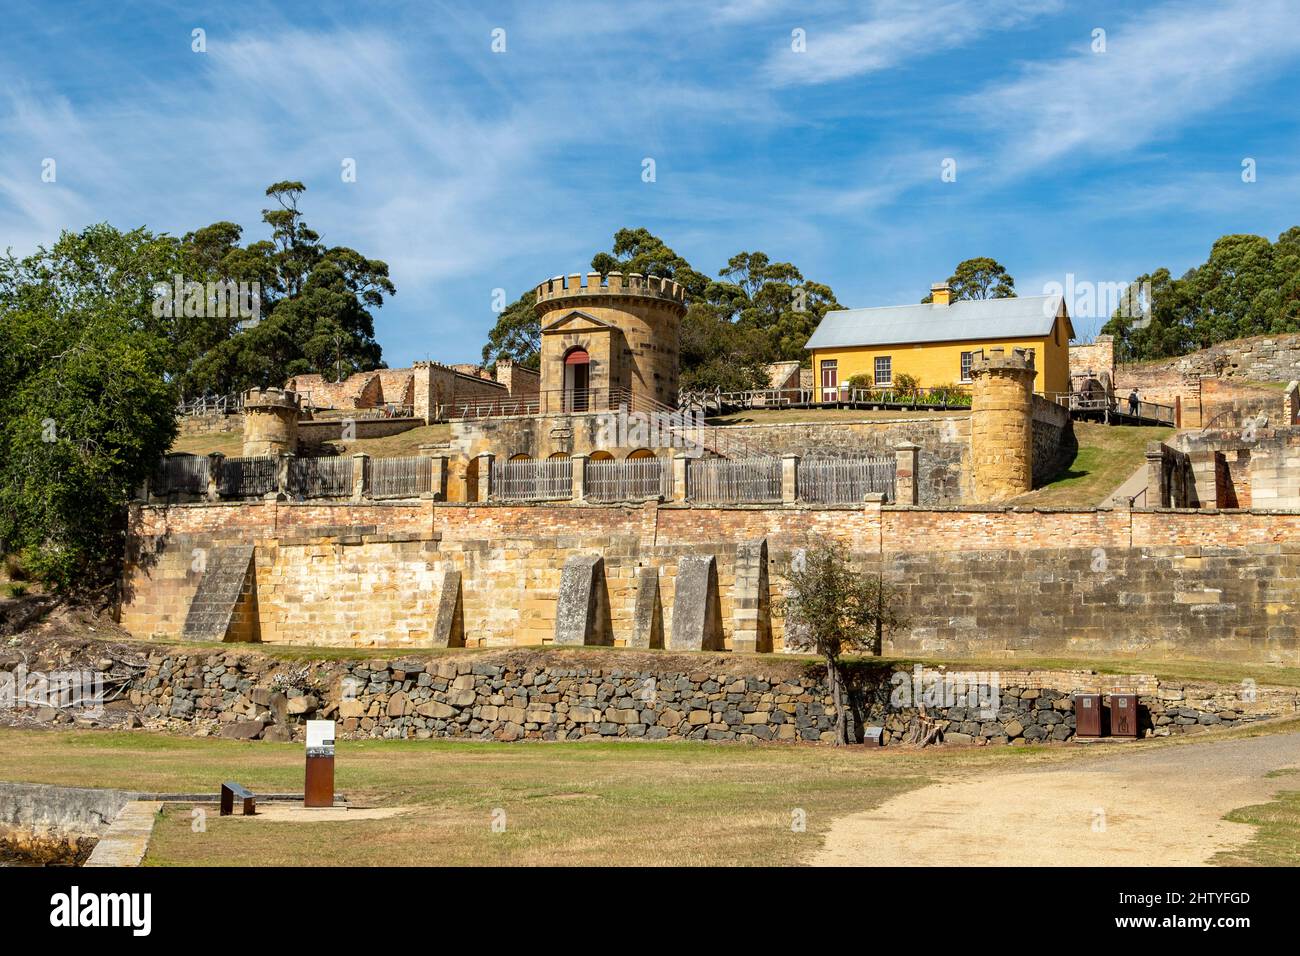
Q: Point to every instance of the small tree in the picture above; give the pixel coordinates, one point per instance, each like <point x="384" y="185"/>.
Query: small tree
<point x="907" y="385"/>
<point x="832" y="608"/>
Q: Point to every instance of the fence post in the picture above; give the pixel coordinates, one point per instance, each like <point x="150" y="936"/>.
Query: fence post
<point x="905" y="490"/>
<point x="282" y="465"/>
<point x="1156" y="496"/>
<point x="438" y="479"/>
<point x="359" y="462"/>
<point x="437" y="472"/>
<point x="579" y="478"/>
<point x="484" y="491"/>
<point x="679" y="476"/>
<point x="789" y="479"/>
<point x="216" y="462"/>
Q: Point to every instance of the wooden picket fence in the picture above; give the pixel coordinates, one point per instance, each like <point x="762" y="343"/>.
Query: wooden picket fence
<point x="733" y="480"/>
<point x="326" y="477"/>
<point x="247" y="477"/>
<point x="400" y="477"/>
<point x="633" y="479"/>
<point x="843" y="481"/>
<point x="547" y="479"/>
<point x="187" y="474"/>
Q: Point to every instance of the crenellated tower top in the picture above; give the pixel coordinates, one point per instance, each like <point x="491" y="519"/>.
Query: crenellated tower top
<point x="633" y="284"/>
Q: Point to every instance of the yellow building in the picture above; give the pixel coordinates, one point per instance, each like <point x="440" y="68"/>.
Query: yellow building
<point x="933" y="342"/>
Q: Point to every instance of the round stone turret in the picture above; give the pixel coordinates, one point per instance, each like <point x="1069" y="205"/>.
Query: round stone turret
<point x="270" y="421"/>
<point x="609" y="341"/>
<point x="1002" y="423"/>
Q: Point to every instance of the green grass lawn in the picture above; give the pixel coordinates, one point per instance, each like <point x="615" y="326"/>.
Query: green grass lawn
<point x="1108" y="455"/>
<point x="564" y="803"/>
<point x="391" y="446"/>
<point x="683" y="803"/>
<point x="1277" y="838"/>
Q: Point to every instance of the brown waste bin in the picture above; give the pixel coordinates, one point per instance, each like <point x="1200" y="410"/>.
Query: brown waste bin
<point x="1087" y="715"/>
<point x="1124" y="715"/>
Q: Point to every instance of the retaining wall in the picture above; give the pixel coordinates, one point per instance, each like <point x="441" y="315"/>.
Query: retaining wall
<point x="567" y="695"/>
<point x="974" y="582"/>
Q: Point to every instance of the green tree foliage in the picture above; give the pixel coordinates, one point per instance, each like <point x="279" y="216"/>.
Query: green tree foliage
<point x="980" y="278"/>
<point x="1247" y="286"/>
<point x="755" y="313"/>
<point x="772" y="304"/>
<point x="316" y="303"/>
<point x="834" y="608"/>
<point x="636" y="250"/>
<point x="517" y="335"/>
<point x="85" y="407"/>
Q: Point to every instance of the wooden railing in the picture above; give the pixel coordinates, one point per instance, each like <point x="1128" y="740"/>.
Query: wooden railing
<point x="211" y="405"/>
<point x="182" y="474"/>
<point x="838" y="396"/>
<point x="1100" y="403"/>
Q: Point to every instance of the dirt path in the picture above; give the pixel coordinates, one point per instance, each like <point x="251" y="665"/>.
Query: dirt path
<point x="1160" y="807"/>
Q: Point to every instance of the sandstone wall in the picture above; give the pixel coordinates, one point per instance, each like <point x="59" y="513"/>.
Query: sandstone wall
<point x="1251" y="467"/>
<point x="943" y="474"/>
<point x="209" y="424"/>
<point x="1054" y="443"/>
<point x="358" y="390"/>
<point x="1228" y="404"/>
<point x="974" y="582"/>
<point x="1096" y="357"/>
<point x="321" y="430"/>
<point x="1263" y="358"/>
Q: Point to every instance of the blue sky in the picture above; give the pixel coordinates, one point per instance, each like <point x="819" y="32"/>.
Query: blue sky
<point x="479" y="170"/>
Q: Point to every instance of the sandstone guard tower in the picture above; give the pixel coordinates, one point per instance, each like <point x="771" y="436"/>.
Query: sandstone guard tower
<point x="270" y="422"/>
<point x="610" y="342"/>
<point x="1002" y="423"/>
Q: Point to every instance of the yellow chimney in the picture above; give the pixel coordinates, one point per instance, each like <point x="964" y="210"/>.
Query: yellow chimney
<point x="940" y="294"/>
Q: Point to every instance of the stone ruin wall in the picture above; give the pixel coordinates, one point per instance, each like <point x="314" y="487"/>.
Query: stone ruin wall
<point x="1216" y="381"/>
<point x="1096" y="357"/>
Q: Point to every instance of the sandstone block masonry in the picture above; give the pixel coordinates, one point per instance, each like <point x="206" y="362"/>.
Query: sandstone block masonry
<point x="270" y="422"/>
<point x="1002" y="427"/>
<point x="569" y="695"/>
<point x="974" y="582"/>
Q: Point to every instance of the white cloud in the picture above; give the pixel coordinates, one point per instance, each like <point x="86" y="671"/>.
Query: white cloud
<point x="896" y="31"/>
<point x="1160" y="71"/>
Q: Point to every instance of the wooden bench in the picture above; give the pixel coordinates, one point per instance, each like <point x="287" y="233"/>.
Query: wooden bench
<point x="229" y="791"/>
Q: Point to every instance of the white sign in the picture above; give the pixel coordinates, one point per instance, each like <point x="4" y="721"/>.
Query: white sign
<point x="320" y="738"/>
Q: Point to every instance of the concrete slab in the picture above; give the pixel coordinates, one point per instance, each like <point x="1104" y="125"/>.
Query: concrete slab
<point x="127" y="838"/>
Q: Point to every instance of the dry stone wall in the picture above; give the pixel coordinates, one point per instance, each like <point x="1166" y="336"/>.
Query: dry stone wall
<point x="567" y="695"/>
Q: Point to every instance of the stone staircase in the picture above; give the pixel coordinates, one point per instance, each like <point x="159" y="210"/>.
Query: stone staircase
<point x="227" y="578"/>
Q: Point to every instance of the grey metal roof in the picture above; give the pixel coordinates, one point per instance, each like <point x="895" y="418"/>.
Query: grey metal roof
<point x="965" y="321"/>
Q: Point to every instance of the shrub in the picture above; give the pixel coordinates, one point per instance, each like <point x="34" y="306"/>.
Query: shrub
<point x="906" y="385"/>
